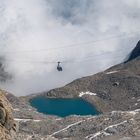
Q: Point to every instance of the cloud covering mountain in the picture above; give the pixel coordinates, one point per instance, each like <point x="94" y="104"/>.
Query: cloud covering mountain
<point x="87" y="35"/>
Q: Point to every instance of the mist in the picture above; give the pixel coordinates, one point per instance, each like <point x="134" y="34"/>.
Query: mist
<point x="87" y="36"/>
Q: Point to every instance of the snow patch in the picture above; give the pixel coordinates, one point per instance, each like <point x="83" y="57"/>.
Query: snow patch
<point x="92" y="136"/>
<point x="58" y="119"/>
<point x="16" y="109"/>
<point x="26" y="120"/>
<point x="111" y="72"/>
<point x="133" y="112"/>
<point x="137" y="110"/>
<point x="87" y="93"/>
<point x="95" y="135"/>
<point x="106" y="119"/>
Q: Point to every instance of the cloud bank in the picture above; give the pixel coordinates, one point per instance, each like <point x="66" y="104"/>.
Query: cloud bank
<point x="87" y="35"/>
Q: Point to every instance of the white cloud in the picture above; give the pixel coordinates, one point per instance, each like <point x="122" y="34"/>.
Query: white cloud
<point x="47" y="24"/>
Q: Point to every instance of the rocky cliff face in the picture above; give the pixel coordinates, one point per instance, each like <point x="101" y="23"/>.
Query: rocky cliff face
<point x="8" y="126"/>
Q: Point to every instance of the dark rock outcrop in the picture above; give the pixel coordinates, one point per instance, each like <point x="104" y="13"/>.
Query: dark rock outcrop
<point x="135" y="53"/>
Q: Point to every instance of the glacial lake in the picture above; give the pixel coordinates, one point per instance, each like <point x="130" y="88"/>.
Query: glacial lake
<point x="63" y="107"/>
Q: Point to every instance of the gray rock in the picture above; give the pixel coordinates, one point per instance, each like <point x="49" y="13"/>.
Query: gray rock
<point x="2" y="115"/>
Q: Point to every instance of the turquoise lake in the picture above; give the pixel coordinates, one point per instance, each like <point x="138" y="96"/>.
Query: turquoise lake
<point x="63" y="107"/>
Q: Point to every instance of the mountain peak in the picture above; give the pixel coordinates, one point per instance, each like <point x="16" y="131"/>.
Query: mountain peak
<point x="135" y="52"/>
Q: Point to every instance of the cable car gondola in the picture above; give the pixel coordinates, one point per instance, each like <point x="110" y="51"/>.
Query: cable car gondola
<point x="59" y="68"/>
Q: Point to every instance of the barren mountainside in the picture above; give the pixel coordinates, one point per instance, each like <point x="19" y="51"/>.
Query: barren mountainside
<point x="115" y="93"/>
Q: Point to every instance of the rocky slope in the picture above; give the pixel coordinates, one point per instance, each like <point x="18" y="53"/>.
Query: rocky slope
<point x="117" y="88"/>
<point x="115" y="92"/>
<point x="115" y="125"/>
<point x="8" y="126"/>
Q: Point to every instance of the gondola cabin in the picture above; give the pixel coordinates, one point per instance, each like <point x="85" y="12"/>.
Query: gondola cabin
<point x="59" y="68"/>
